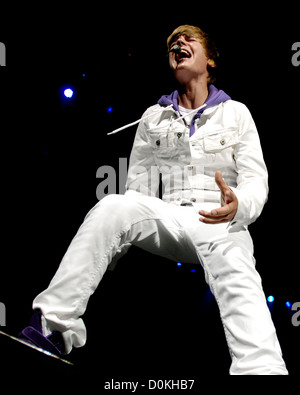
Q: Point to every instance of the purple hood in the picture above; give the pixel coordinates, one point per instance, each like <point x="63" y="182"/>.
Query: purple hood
<point x="215" y="96"/>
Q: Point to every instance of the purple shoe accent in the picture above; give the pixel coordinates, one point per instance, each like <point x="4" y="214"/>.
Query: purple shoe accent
<point x="36" y="320"/>
<point x="53" y="343"/>
<point x="41" y="341"/>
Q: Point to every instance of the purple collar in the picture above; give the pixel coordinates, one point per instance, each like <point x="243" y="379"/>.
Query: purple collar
<point x="215" y="96"/>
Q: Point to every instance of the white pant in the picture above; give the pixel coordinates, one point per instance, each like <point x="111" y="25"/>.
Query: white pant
<point x="174" y="232"/>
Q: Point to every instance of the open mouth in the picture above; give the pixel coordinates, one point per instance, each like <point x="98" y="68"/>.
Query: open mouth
<point x="182" y="55"/>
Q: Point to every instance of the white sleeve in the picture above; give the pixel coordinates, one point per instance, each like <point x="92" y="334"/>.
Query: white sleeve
<point x="252" y="179"/>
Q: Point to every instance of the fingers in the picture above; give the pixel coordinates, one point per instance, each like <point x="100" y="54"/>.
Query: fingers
<point x="220" y="182"/>
<point x="218" y="216"/>
<point x="224" y="188"/>
<point x="214" y="221"/>
<point x="227" y="212"/>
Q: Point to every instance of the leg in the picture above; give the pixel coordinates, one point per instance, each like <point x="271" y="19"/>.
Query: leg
<point x="109" y="227"/>
<point x="230" y="271"/>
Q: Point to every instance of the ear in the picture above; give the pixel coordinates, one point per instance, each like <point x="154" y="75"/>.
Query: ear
<point x="211" y="63"/>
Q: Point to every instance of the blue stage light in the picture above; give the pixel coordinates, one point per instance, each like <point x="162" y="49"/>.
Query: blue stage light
<point x="288" y="304"/>
<point x="270" y="299"/>
<point x="179" y="264"/>
<point x="109" y="109"/>
<point x="193" y="270"/>
<point x="68" y="93"/>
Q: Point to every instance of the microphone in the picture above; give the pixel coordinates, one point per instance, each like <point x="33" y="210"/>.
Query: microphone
<point x="176" y="49"/>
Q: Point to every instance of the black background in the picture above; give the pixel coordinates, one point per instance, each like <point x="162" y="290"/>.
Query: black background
<point x="148" y="317"/>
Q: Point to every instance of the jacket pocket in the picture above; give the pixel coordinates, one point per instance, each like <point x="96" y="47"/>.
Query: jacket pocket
<point x="220" y="140"/>
<point x="165" y="145"/>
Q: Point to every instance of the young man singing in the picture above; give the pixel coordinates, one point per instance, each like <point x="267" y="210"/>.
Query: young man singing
<point x="215" y="183"/>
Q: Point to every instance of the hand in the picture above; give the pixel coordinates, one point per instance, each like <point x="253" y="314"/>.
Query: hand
<point x="227" y="212"/>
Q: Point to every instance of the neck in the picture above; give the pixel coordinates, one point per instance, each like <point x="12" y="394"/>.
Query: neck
<point x="193" y="94"/>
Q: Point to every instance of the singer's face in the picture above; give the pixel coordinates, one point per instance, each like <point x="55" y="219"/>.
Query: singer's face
<point x="191" y="62"/>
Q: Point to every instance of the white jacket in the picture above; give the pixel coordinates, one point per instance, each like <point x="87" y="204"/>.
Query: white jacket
<point x="225" y="139"/>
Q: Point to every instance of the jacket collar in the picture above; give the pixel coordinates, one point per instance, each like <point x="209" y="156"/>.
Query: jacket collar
<point x="215" y="96"/>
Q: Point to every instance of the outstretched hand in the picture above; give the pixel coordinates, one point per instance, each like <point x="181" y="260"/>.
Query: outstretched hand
<point x="227" y="211"/>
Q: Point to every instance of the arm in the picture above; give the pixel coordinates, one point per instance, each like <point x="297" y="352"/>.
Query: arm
<point x="244" y="203"/>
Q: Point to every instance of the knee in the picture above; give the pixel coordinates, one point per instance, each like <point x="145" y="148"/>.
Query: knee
<point x="108" y="205"/>
<point x="110" y="201"/>
<point x="123" y="207"/>
<point x="113" y="206"/>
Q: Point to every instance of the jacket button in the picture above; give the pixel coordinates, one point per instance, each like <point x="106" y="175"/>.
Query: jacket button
<point x="179" y="135"/>
<point x="193" y="200"/>
<point x="157" y="142"/>
<point x="222" y="141"/>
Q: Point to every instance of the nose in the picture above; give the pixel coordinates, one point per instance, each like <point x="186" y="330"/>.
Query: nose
<point x="180" y="41"/>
